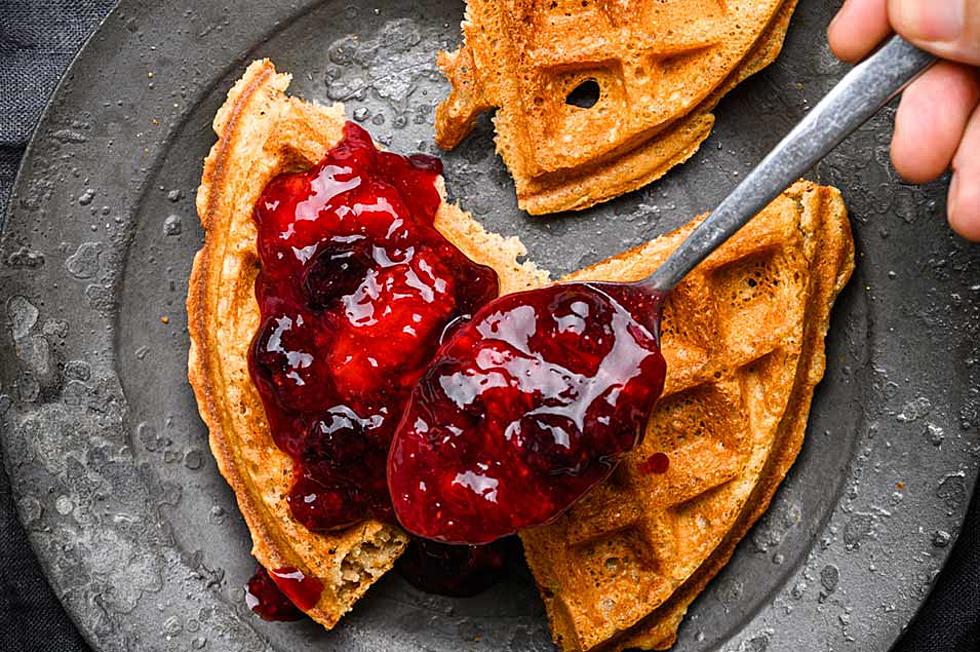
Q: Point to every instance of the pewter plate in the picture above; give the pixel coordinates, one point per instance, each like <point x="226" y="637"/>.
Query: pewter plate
<point x="109" y="462"/>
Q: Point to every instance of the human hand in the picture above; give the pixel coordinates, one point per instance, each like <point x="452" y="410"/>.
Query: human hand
<point x="938" y="120"/>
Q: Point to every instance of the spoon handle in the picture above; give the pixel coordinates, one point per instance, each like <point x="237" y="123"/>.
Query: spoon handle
<point x="858" y="96"/>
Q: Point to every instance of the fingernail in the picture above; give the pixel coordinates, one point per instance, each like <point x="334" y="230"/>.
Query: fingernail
<point x="963" y="210"/>
<point x="833" y="21"/>
<point x="929" y="20"/>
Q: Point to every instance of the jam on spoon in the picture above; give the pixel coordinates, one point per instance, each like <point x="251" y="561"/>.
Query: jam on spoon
<point x="525" y="408"/>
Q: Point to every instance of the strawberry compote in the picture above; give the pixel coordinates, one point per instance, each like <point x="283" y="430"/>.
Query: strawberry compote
<point x="525" y="408"/>
<point x="356" y="291"/>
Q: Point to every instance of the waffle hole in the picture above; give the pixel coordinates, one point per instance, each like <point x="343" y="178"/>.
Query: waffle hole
<point x="754" y="279"/>
<point x="698" y="413"/>
<point x="616" y="556"/>
<point x="760" y="296"/>
<point x="586" y="95"/>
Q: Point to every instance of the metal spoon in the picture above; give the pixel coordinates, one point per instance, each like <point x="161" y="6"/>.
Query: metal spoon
<point x="858" y="96"/>
<point x="512" y="354"/>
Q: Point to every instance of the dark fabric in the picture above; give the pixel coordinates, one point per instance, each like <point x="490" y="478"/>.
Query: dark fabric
<point x="950" y="618"/>
<point x="38" y="38"/>
<point x="31" y="618"/>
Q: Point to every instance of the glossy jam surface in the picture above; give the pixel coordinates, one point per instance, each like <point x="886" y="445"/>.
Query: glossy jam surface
<point x="525" y="408"/>
<point x="355" y="291"/>
<point x="282" y="594"/>
<point x="458" y="571"/>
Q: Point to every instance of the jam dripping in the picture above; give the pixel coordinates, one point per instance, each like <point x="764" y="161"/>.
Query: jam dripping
<point x="282" y="594"/>
<point x="356" y="290"/>
<point x="458" y="571"/>
<point x="525" y="408"/>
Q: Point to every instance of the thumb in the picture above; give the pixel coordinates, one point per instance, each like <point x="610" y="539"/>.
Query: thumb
<point x="947" y="28"/>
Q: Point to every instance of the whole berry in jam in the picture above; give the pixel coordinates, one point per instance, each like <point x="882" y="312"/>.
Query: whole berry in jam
<point x="336" y="271"/>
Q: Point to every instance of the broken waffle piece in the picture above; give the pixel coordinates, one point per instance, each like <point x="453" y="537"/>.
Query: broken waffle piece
<point x="598" y="98"/>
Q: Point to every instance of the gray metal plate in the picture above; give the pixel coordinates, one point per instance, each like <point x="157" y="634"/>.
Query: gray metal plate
<point x="109" y="462"/>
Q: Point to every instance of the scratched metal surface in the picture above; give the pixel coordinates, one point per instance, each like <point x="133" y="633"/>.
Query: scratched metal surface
<point x="109" y="461"/>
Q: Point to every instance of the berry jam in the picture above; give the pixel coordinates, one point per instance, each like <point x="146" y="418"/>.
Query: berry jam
<point x="657" y="463"/>
<point x="356" y="289"/>
<point x="281" y="594"/>
<point x="458" y="571"/>
<point x="524" y="409"/>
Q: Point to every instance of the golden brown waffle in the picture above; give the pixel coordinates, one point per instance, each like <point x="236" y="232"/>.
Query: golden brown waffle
<point x="262" y="132"/>
<point x="661" y="68"/>
<point x="743" y="339"/>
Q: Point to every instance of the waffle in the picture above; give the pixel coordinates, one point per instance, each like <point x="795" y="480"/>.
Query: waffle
<point x="262" y="132"/>
<point x="661" y="68"/>
<point x="743" y="339"/>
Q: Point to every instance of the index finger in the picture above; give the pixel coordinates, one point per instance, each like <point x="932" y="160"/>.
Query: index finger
<point x="858" y="28"/>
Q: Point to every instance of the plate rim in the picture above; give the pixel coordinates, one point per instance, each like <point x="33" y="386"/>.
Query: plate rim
<point x="34" y="150"/>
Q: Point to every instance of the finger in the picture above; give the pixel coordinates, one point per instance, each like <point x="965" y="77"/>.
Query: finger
<point x="858" y="28"/>
<point x="947" y="28"/>
<point x="964" y="193"/>
<point x="931" y="120"/>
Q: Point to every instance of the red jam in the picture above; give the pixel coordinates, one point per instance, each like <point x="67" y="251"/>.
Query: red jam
<point x="356" y="290"/>
<point x="458" y="571"/>
<point x="524" y="409"/>
<point x="656" y="464"/>
<point x="516" y="416"/>
<point x="282" y="594"/>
